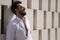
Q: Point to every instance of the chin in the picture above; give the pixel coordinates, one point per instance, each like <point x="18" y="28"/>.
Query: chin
<point x="23" y="14"/>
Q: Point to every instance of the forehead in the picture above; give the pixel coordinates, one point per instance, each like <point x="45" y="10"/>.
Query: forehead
<point x="20" y="5"/>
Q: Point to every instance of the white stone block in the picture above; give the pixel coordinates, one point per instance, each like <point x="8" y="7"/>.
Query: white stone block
<point x="45" y="5"/>
<point x="30" y="16"/>
<point x="40" y="19"/>
<point x="55" y="20"/>
<point x="48" y="20"/>
<point x="58" y="7"/>
<point x="53" y="5"/>
<point x="58" y="34"/>
<point x="44" y="35"/>
<point x="52" y="34"/>
<point x="35" y="4"/>
<point x="5" y="2"/>
<point x="35" y="35"/>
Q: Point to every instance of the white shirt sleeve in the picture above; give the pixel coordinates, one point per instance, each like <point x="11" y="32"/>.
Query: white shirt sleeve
<point x="10" y="33"/>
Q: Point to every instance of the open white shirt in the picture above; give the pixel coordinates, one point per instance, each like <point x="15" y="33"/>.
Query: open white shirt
<point x="16" y="31"/>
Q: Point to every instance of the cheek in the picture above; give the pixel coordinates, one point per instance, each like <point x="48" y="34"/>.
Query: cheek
<point x="20" y="10"/>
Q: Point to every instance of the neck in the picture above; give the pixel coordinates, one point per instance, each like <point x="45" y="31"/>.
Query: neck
<point x="20" y="16"/>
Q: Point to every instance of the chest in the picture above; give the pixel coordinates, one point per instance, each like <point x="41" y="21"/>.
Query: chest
<point x="21" y="30"/>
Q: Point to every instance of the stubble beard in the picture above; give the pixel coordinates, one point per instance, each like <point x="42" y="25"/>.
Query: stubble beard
<point x="23" y="13"/>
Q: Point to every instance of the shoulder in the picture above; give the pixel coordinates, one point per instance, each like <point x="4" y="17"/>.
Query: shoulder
<point x="12" y="23"/>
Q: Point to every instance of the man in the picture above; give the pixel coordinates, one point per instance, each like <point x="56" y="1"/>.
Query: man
<point x="18" y="29"/>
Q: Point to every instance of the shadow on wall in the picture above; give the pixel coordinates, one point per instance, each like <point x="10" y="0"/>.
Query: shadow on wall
<point x="6" y="17"/>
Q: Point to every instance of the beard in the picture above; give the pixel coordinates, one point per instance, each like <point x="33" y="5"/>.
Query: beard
<point x="23" y="14"/>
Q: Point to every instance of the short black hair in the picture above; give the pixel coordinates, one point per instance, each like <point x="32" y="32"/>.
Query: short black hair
<point x="14" y="6"/>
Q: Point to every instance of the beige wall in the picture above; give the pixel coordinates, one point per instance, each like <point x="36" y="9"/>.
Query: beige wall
<point x="44" y="20"/>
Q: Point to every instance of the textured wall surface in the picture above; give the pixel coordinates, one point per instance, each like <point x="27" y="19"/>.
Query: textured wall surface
<point x="43" y="15"/>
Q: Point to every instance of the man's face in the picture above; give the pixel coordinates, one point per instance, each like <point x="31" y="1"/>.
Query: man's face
<point x="21" y="10"/>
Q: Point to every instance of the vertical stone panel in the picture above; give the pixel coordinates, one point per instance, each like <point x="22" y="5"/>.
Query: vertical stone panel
<point x="40" y="20"/>
<point x="45" y="5"/>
